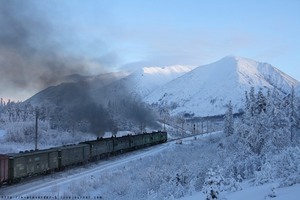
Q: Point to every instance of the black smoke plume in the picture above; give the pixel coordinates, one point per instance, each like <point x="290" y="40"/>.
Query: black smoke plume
<point x="69" y="107"/>
<point x="31" y="57"/>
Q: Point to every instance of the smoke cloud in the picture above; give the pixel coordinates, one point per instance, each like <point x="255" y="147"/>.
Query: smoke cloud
<point x="31" y="58"/>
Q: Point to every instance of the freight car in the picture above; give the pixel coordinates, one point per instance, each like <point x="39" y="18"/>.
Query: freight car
<point x="73" y="155"/>
<point x="30" y="163"/>
<point x="17" y="166"/>
<point x="159" y="137"/>
<point x="3" y="168"/>
<point x="100" y="148"/>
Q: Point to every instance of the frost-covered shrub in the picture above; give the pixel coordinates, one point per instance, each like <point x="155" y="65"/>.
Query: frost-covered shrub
<point x="265" y="175"/>
<point x="23" y="133"/>
<point x="284" y="166"/>
<point x="213" y="185"/>
<point x="242" y="167"/>
<point x="20" y="132"/>
<point x="231" y="185"/>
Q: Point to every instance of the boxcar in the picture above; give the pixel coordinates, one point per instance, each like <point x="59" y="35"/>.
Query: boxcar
<point x="121" y="144"/>
<point x="148" y="139"/>
<point x="156" y="137"/>
<point x="137" y="141"/>
<point x="102" y="147"/>
<point x="3" y="169"/>
<point x="164" y="136"/>
<point x="73" y="154"/>
<point x="159" y="137"/>
<point x="31" y="163"/>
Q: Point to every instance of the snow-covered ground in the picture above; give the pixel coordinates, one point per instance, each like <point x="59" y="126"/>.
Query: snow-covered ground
<point x="59" y="184"/>
<point x="2" y="133"/>
<point x="256" y="192"/>
<point x="168" y="171"/>
<point x="62" y="179"/>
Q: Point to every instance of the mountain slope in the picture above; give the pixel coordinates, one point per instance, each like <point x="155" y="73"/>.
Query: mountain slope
<point x="74" y="86"/>
<point x="206" y="90"/>
<point x="138" y="84"/>
<point x="146" y="80"/>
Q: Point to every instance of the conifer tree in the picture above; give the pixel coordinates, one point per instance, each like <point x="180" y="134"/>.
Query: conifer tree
<point x="261" y="102"/>
<point x="252" y="100"/>
<point x="229" y="121"/>
<point x="292" y="114"/>
<point x="213" y="184"/>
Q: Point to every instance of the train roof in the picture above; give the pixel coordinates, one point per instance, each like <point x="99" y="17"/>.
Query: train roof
<point x="31" y="152"/>
<point x="3" y="156"/>
<point x="72" y="146"/>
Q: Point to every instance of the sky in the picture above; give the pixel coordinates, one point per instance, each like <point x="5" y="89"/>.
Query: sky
<point x="41" y="42"/>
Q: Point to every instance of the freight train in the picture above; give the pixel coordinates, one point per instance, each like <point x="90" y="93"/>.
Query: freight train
<point x="17" y="166"/>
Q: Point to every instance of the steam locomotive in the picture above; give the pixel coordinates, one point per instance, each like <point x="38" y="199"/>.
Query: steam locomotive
<point x="17" y="166"/>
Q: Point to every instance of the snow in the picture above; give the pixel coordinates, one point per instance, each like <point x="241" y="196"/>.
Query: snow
<point x="72" y="182"/>
<point x="146" y="80"/>
<point x="176" y="169"/>
<point x="203" y="90"/>
<point x="158" y="172"/>
<point x="256" y="192"/>
<point x="2" y="134"/>
<point x="168" y="70"/>
<point x="206" y="90"/>
<point x="65" y="179"/>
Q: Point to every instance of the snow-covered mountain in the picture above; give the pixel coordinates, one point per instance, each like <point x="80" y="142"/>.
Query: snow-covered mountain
<point x="147" y="79"/>
<point x="140" y="83"/>
<point x="202" y="91"/>
<point x="206" y="90"/>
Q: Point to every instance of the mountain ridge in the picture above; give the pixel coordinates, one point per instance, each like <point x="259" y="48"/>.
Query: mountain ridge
<point x="207" y="89"/>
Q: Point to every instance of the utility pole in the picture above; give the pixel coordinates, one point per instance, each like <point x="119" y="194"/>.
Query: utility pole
<point x="36" y="127"/>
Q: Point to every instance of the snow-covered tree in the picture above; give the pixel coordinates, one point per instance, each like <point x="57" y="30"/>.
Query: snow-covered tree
<point x="260" y="102"/>
<point x="251" y="131"/>
<point x="267" y="128"/>
<point x="229" y="121"/>
<point x="265" y="125"/>
<point x="213" y="184"/>
<point x="251" y="104"/>
<point x="292" y="114"/>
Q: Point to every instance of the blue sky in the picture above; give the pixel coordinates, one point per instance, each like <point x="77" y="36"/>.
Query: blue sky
<point x="110" y="34"/>
<point x="196" y="32"/>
